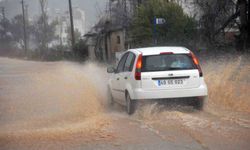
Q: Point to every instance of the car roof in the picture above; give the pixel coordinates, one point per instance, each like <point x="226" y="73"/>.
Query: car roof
<point x="158" y="50"/>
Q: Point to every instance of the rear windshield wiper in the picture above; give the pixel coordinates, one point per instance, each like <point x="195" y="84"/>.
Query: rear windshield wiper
<point x="174" y="68"/>
<point x="178" y="68"/>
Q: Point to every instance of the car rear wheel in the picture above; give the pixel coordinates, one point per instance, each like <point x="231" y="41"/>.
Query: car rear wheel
<point x="131" y="104"/>
<point x="199" y="103"/>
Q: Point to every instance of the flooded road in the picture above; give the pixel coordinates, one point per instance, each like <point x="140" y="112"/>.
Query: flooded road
<point x="63" y="105"/>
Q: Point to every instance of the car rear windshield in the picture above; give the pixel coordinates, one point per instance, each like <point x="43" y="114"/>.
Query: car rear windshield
<point x="167" y="62"/>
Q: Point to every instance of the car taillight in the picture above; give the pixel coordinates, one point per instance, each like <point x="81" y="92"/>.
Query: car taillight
<point x="197" y="64"/>
<point x="138" y="68"/>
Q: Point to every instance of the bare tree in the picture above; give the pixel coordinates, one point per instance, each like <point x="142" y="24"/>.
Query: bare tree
<point x="43" y="31"/>
<point x="220" y="14"/>
<point x="5" y="36"/>
<point x="119" y="13"/>
<point x="44" y="21"/>
<point x="16" y="31"/>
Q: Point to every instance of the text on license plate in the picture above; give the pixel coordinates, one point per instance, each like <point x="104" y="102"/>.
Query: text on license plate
<point x="171" y="82"/>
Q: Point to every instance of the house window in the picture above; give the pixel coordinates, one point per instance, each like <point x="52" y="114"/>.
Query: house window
<point x="118" y="40"/>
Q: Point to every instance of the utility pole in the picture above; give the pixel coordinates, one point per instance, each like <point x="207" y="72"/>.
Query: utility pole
<point x="72" y="25"/>
<point x="24" y="28"/>
<point x="27" y="25"/>
<point x="155" y="32"/>
<point x="248" y="20"/>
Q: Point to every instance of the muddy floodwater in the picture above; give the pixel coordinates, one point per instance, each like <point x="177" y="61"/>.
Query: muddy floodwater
<point x="63" y="105"/>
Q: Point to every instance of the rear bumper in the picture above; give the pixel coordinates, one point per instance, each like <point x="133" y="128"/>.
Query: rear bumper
<point x="141" y="94"/>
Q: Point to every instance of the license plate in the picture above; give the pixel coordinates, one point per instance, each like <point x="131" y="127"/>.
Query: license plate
<point x="170" y="82"/>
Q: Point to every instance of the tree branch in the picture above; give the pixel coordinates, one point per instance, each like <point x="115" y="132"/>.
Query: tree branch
<point x="234" y="16"/>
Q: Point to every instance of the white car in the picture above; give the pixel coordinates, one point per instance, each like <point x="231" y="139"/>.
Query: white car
<point x="156" y="73"/>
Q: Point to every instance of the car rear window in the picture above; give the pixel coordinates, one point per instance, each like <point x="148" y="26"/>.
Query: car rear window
<point x="166" y="62"/>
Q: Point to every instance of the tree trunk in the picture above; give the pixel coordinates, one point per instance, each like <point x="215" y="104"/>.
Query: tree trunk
<point x="242" y="5"/>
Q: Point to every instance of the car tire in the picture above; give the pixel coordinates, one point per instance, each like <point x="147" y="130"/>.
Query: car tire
<point x="110" y="97"/>
<point x="199" y="103"/>
<point x="130" y="105"/>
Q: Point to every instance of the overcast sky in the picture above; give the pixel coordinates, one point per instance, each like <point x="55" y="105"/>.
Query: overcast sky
<point x="92" y="8"/>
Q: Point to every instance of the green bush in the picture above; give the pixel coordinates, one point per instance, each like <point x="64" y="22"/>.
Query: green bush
<point x="178" y="30"/>
<point x="81" y="50"/>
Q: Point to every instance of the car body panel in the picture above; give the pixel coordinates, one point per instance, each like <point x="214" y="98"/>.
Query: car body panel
<point x="142" y="94"/>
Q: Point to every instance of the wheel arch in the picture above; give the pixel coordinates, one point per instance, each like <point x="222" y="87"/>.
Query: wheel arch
<point x="129" y="91"/>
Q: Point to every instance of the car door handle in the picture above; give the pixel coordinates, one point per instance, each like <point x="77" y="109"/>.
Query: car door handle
<point x="125" y="78"/>
<point x="118" y="79"/>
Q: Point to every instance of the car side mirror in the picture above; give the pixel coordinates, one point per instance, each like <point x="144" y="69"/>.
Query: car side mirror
<point x="111" y="70"/>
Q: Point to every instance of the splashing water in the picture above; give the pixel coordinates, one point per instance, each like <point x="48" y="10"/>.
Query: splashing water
<point x="51" y="98"/>
<point x="228" y="83"/>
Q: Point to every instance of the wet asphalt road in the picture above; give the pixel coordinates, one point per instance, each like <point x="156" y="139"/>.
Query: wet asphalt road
<point x="63" y="105"/>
